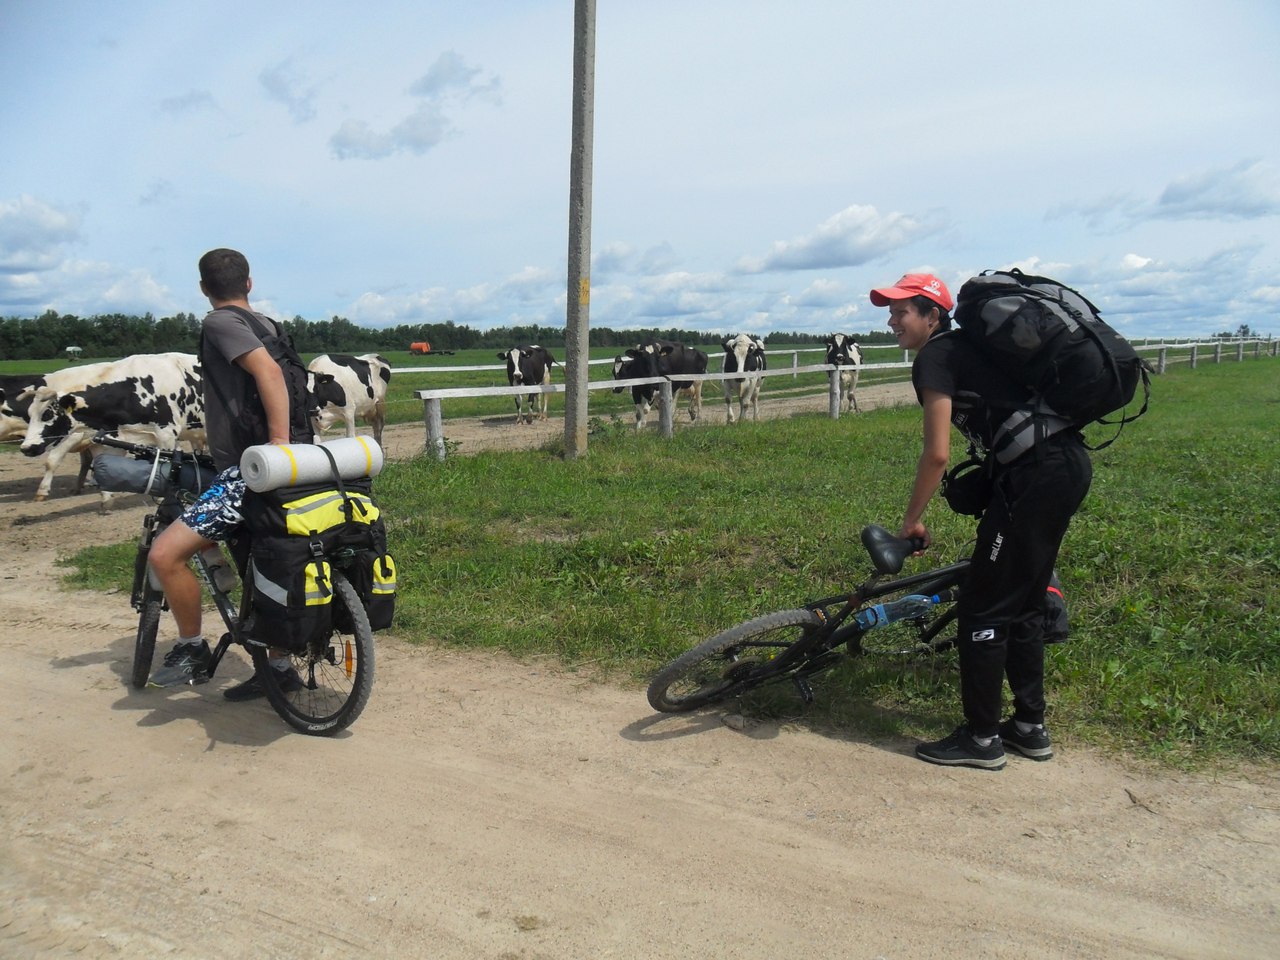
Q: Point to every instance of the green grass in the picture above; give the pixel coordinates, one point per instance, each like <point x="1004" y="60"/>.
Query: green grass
<point x="623" y="559"/>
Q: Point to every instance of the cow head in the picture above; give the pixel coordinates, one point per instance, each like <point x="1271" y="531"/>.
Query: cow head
<point x="842" y="350"/>
<point x="48" y="421"/>
<point x="628" y="366"/>
<point x="515" y="376"/>
<point x="326" y="389"/>
<point x="743" y="352"/>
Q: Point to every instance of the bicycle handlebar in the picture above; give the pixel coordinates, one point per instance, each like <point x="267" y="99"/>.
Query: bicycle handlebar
<point x="140" y="449"/>
<point x="888" y="552"/>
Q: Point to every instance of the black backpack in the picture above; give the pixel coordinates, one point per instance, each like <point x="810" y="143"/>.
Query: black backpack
<point x="1048" y="337"/>
<point x="250" y="427"/>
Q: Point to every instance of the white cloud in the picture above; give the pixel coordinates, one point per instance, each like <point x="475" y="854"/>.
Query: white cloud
<point x="32" y="234"/>
<point x="283" y="84"/>
<point x="856" y="235"/>
<point x="447" y="84"/>
<point x="193" y="101"/>
<point x="1246" y="191"/>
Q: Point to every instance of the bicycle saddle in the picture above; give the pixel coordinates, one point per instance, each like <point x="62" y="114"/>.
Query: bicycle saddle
<point x="887" y="551"/>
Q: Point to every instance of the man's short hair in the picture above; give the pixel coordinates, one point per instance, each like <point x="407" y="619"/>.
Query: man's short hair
<point x="225" y="274"/>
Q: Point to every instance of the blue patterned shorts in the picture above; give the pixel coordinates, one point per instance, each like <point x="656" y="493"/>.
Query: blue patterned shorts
<point x="216" y="514"/>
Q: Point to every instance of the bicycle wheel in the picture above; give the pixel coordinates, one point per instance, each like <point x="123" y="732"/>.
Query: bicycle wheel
<point x="337" y="673"/>
<point x="144" y="641"/>
<point x="727" y="664"/>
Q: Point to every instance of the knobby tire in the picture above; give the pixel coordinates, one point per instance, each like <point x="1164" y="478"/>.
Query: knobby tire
<point x="337" y="674"/>
<point x="144" y="641"/>
<point x="729" y="663"/>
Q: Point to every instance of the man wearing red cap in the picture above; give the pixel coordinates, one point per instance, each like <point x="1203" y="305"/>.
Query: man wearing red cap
<point x="1033" y="497"/>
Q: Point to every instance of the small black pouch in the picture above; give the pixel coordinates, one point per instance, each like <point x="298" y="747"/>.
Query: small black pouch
<point x="967" y="486"/>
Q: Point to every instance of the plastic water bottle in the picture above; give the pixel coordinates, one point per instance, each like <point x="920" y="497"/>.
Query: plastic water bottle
<point x="221" y="573"/>
<point x="903" y="608"/>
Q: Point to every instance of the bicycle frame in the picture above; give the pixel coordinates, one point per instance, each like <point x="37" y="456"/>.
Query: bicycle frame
<point x="816" y="650"/>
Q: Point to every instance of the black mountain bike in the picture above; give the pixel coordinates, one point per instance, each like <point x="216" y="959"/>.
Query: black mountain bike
<point x="909" y="615"/>
<point x="337" y="671"/>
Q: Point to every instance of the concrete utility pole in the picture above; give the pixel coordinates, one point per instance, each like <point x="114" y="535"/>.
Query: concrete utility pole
<point x="578" y="312"/>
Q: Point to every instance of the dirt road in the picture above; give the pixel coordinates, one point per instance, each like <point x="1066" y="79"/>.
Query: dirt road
<point x="484" y="808"/>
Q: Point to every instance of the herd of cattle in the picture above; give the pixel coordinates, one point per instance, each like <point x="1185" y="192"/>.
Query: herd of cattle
<point x="530" y="365"/>
<point x="158" y="398"/>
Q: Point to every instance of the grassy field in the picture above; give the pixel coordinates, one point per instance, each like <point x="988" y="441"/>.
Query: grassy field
<point x="619" y="561"/>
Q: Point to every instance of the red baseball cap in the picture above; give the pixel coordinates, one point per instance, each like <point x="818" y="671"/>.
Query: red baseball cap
<point x="914" y="285"/>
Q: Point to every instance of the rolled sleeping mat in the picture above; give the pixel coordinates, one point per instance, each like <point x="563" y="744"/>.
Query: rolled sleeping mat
<point x="274" y="466"/>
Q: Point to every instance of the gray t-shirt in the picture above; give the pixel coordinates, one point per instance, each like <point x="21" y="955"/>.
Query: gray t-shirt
<point x="227" y="337"/>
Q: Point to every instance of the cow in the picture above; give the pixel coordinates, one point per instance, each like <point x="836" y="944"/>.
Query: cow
<point x="661" y="358"/>
<point x="743" y="354"/>
<point x="529" y="365"/>
<point x="16" y="393"/>
<point x="153" y="398"/>
<point x="15" y="401"/>
<point x="842" y="351"/>
<point x="358" y="391"/>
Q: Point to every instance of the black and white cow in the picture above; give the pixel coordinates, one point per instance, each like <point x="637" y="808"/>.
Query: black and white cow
<point x="15" y="402"/>
<point x="743" y="353"/>
<point x="842" y="351"/>
<point x="16" y="393"/>
<point x="661" y="358"/>
<point x="358" y="391"/>
<point x="153" y="398"/>
<point x="529" y="365"/>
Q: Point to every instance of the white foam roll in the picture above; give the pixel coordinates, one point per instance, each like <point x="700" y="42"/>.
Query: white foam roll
<point x="271" y="467"/>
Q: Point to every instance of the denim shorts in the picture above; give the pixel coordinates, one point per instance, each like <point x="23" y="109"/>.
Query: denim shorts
<point x="216" y="514"/>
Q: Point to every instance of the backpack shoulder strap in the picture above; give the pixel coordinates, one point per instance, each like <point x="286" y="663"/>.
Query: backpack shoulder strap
<point x="251" y="318"/>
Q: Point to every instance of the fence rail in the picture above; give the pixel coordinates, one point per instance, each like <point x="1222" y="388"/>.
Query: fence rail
<point x="432" y="400"/>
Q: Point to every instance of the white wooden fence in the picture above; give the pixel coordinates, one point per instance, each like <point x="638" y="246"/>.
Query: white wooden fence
<point x="1191" y="352"/>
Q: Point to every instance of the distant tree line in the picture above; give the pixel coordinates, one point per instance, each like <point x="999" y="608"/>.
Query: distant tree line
<point x="49" y="336"/>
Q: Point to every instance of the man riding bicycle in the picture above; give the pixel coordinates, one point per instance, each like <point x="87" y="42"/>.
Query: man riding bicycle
<point x="230" y="352"/>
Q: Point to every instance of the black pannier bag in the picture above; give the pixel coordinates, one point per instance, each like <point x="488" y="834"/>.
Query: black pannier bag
<point x="297" y="534"/>
<point x="155" y="477"/>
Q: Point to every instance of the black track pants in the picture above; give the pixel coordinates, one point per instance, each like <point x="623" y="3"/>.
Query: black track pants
<point x="1001" y="609"/>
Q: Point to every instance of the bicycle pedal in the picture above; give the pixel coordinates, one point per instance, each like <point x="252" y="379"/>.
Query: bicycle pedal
<point x="804" y="689"/>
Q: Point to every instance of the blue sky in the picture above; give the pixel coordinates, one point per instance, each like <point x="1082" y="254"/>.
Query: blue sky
<point x="758" y="165"/>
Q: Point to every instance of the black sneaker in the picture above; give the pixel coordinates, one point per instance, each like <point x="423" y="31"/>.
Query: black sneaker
<point x="1035" y="744"/>
<point x="185" y="663"/>
<point x="961" y="750"/>
<point x="252" y="689"/>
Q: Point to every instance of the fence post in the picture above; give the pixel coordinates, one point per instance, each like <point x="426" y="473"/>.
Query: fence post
<point x="1217" y="352"/>
<point x="1240" y="351"/>
<point x="833" y="393"/>
<point x="666" y="409"/>
<point x="1193" y="356"/>
<point x="1163" y="359"/>
<point x="435" y="427"/>
<point x="795" y="362"/>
